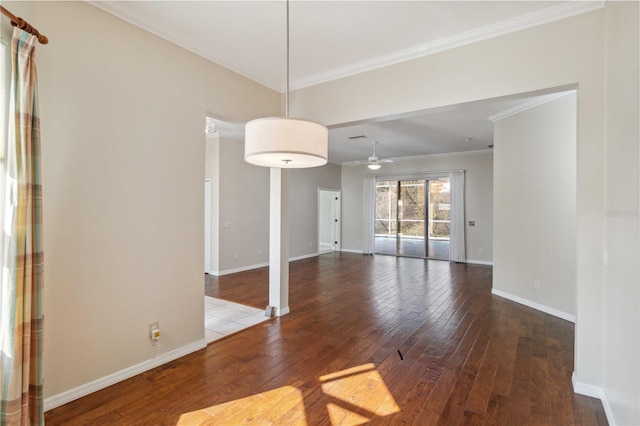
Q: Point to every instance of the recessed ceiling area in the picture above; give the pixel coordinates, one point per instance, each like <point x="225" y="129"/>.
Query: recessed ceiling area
<point x="458" y="128"/>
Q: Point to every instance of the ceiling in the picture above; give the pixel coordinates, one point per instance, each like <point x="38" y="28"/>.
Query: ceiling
<point x="333" y="39"/>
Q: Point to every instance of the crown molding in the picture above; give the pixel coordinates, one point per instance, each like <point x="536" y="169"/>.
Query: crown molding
<point x="544" y="16"/>
<point x="441" y="154"/>
<point x="120" y="10"/>
<point x="540" y="100"/>
<point x="445" y="154"/>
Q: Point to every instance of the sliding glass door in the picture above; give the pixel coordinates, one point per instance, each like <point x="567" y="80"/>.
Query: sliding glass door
<point x="413" y="218"/>
<point x="386" y="217"/>
<point x="439" y="218"/>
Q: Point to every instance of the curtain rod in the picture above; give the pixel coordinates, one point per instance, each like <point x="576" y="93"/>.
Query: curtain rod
<point x="24" y="25"/>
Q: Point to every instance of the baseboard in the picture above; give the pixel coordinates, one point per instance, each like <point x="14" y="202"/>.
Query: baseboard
<point x="476" y="262"/>
<point x="259" y="265"/>
<point x="240" y="269"/>
<point x="282" y="311"/>
<point x="351" y="251"/>
<point x="479" y="262"/>
<point x="304" y="256"/>
<point x="594" y="392"/>
<point x="96" y="385"/>
<point x="537" y="306"/>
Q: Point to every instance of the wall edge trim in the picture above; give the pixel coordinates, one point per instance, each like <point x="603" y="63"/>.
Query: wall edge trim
<point x="594" y="392"/>
<point x="537" y="306"/>
<point x="527" y="105"/>
<point x="258" y="265"/>
<point x="240" y="269"/>
<point x="352" y="251"/>
<point x="479" y="262"/>
<point x="304" y="256"/>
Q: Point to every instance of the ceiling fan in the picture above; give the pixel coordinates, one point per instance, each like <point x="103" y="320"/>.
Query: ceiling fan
<point x="374" y="162"/>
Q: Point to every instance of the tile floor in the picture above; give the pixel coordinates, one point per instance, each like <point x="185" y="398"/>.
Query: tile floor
<point x="222" y="318"/>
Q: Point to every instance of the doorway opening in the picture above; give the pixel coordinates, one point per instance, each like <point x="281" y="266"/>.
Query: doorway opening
<point x="413" y="218"/>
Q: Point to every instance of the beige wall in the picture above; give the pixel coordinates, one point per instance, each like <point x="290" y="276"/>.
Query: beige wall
<point x="535" y="204"/>
<point x="241" y="203"/>
<point x="244" y="209"/>
<point x="122" y="116"/>
<point x="478" y="169"/>
<point x="622" y="277"/>
<point x="303" y="206"/>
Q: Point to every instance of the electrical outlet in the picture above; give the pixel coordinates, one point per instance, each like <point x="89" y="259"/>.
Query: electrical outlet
<point x="153" y="326"/>
<point x="480" y="251"/>
<point x="536" y="284"/>
<point x="259" y="252"/>
<point x="235" y="256"/>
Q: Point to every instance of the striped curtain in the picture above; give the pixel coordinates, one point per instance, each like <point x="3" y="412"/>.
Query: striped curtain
<point x="22" y="273"/>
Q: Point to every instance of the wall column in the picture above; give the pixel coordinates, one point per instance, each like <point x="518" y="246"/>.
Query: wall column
<point x="279" y="241"/>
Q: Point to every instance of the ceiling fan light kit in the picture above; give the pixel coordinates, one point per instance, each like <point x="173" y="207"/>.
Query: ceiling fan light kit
<point x="373" y="162"/>
<point x="286" y="142"/>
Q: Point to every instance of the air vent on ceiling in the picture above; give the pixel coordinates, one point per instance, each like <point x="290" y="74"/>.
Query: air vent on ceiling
<point x="358" y="137"/>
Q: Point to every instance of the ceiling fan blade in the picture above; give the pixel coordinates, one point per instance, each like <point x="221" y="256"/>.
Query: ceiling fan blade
<point x="369" y="161"/>
<point x="355" y="163"/>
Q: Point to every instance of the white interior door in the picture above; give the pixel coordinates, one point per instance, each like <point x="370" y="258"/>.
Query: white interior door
<point x="328" y="220"/>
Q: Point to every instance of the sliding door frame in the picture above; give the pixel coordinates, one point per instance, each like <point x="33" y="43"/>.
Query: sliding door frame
<point x="425" y="178"/>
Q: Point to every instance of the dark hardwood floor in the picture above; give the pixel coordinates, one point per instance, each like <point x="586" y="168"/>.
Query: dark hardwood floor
<point x="369" y="339"/>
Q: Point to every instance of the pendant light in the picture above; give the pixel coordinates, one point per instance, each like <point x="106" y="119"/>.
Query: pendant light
<point x="285" y="142"/>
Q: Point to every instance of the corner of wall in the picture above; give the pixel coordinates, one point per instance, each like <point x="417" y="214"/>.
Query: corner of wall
<point x="594" y="392"/>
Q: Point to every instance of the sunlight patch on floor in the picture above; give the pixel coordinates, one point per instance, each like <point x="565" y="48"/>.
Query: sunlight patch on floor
<point x="279" y="406"/>
<point x="352" y="397"/>
<point x="357" y="395"/>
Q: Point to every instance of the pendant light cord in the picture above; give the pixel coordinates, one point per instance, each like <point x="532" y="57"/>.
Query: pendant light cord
<point x="286" y="101"/>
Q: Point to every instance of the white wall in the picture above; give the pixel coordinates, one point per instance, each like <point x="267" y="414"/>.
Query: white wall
<point x="622" y="278"/>
<point x="534" y="183"/>
<point x="123" y="146"/>
<point x="478" y="169"/>
<point x="303" y="206"/>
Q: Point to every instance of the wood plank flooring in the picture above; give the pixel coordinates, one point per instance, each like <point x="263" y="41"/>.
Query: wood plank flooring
<point x="370" y="339"/>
